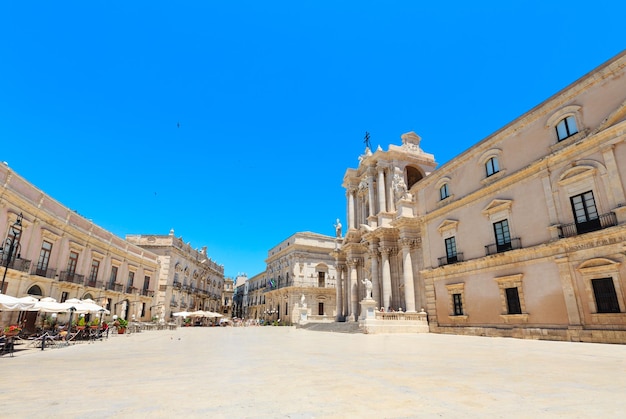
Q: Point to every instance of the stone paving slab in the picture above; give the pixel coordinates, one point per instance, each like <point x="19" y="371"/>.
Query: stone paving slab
<point x="282" y="372"/>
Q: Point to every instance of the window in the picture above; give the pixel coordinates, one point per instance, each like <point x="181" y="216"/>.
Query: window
<point x="113" y="276"/>
<point x="512" y="301"/>
<point x="503" y="235"/>
<point x="44" y="258"/>
<point x="585" y="212"/>
<point x="451" y="249"/>
<point x="320" y="309"/>
<point x="492" y="166"/>
<point x="457" y="302"/>
<point x="566" y="128"/>
<point x="146" y="283"/>
<point x="72" y="263"/>
<point x="605" y="295"/>
<point x="444" y="192"/>
<point x="565" y="122"/>
<point x="513" y="306"/>
<point x="321" y="279"/>
<point x="131" y="279"/>
<point x="286" y="309"/>
<point x="93" y="273"/>
<point x="64" y="296"/>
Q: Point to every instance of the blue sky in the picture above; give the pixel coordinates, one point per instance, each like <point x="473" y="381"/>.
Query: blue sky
<point x="273" y="100"/>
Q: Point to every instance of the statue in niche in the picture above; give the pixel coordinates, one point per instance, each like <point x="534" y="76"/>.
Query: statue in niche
<point x="399" y="187"/>
<point x="338" y="228"/>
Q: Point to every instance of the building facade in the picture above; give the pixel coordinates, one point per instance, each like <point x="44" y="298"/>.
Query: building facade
<point x="521" y="235"/>
<point x="301" y="270"/>
<point x="60" y="254"/>
<point x="255" y="298"/>
<point x="189" y="280"/>
<point x="227" y="297"/>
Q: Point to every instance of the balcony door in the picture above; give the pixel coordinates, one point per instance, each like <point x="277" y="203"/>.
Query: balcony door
<point x="585" y="212"/>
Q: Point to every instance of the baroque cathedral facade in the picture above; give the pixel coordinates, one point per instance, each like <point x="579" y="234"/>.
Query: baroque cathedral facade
<point x="520" y="235"/>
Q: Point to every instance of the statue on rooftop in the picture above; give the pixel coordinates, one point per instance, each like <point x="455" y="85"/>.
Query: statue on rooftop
<point x="338" y="228"/>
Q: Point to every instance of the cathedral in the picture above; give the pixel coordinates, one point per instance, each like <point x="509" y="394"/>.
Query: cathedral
<point x="521" y="235"/>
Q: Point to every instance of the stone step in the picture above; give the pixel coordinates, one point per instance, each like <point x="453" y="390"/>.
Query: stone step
<point x="336" y="327"/>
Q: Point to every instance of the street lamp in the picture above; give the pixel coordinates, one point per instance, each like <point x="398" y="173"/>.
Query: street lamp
<point x="13" y="243"/>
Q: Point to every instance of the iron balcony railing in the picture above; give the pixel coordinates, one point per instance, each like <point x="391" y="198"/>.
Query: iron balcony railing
<point x="74" y="278"/>
<point x="603" y="221"/>
<point x="46" y="273"/>
<point x="449" y="260"/>
<point x="147" y="293"/>
<point x="492" y="249"/>
<point x="18" y="264"/>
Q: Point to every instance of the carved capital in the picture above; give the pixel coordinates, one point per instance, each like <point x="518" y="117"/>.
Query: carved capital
<point x="388" y="250"/>
<point x="353" y="262"/>
<point x="410" y="243"/>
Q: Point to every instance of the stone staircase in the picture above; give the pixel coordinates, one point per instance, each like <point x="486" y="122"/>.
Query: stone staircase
<point x="336" y="327"/>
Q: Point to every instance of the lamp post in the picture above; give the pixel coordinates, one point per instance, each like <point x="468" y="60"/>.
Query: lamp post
<point x="13" y="243"/>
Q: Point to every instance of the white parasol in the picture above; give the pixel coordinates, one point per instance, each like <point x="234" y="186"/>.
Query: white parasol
<point x="8" y="303"/>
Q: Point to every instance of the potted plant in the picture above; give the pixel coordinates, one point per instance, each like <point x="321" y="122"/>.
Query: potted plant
<point x="80" y="325"/>
<point x="121" y="324"/>
<point x="12" y="330"/>
<point x="94" y="323"/>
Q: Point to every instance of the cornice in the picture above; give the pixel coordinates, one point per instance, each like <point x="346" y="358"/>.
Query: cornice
<point x="614" y="134"/>
<point x="546" y="252"/>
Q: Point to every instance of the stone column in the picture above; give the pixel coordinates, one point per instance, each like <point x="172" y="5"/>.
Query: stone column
<point x="407" y="275"/>
<point x="612" y="177"/>
<point x="370" y="187"/>
<point x="574" y="315"/>
<point x="339" y="291"/>
<point x="351" y="209"/>
<point x="391" y="202"/>
<point x="382" y="204"/>
<point x="375" y="278"/>
<point x="352" y="291"/>
<point x="363" y="207"/>
<point x="386" y="301"/>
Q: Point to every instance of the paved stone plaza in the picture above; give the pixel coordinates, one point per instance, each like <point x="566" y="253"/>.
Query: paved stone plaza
<point x="282" y="372"/>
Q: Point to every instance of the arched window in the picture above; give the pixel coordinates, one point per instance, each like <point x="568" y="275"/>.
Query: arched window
<point x="566" y="127"/>
<point x="492" y="166"/>
<point x="444" y="192"/>
<point x="34" y="290"/>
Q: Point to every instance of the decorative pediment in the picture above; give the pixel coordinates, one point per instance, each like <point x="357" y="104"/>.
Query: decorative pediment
<point x="598" y="265"/>
<point x="447" y="225"/>
<point x="494" y="152"/>
<point x="49" y="235"/>
<point x="496" y="206"/>
<point x="75" y="246"/>
<point x="577" y="173"/>
<point x="442" y="181"/>
<point x="562" y="113"/>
